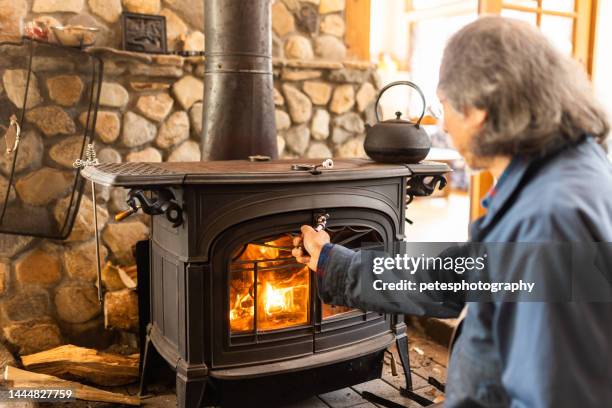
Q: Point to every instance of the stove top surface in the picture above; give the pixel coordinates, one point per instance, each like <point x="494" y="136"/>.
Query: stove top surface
<point x="244" y="171"/>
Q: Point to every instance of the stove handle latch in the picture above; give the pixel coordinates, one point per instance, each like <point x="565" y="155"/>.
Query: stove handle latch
<point x="321" y="222"/>
<point x="161" y="201"/>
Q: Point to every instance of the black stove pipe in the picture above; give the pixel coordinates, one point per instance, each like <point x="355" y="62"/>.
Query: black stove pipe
<point x="238" y="96"/>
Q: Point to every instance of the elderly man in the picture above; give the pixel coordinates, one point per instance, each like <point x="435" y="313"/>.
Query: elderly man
<point x="517" y="107"/>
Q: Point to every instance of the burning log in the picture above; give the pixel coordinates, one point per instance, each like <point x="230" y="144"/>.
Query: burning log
<point x="26" y="379"/>
<point x="121" y="310"/>
<point x="283" y="289"/>
<point x="84" y="364"/>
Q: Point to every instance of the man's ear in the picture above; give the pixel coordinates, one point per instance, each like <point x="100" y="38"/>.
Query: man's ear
<point x="475" y="117"/>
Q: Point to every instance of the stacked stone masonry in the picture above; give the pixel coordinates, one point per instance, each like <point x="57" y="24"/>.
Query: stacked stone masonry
<point x="151" y="111"/>
<point x="302" y="29"/>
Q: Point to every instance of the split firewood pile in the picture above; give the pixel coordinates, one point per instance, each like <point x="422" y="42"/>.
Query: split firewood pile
<point x="120" y="300"/>
<point x="82" y="369"/>
<point x="65" y="367"/>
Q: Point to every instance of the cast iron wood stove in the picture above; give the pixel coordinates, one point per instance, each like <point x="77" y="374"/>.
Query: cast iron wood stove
<point x="230" y="309"/>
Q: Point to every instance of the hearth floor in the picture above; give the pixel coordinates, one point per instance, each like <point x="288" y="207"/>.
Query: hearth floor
<point x="427" y="359"/>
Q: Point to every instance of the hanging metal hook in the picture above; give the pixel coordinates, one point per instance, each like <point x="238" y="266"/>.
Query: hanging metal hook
<point x="12" y="135"/>
<point x="91" y="159"/>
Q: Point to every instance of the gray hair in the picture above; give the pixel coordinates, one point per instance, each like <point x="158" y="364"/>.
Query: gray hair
<point x="536" y="98"/>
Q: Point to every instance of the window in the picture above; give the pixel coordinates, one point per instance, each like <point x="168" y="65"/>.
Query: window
<point x="555" y="18"/>
<point x="569" y="24"/>
<point x="406" y="39"/>
<point x="432" y="26"/>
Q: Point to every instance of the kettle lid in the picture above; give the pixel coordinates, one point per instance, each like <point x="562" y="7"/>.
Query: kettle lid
<point x="398" y="119"/>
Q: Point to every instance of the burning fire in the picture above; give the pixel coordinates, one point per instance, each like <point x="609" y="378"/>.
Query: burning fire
<point x="283" y="288"/>
<point x="277" y="300"/>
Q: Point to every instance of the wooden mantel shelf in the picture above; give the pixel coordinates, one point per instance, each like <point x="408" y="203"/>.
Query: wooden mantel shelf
<point x="179" y="61"/>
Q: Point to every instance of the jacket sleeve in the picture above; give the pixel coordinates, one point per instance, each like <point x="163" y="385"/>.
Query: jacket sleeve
<point x="343" y="281"/>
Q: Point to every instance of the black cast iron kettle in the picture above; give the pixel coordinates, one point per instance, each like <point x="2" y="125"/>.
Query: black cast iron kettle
<point x="397" y="140"/>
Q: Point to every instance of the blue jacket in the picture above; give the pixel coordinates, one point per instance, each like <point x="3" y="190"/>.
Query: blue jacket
<point x="521" y="354"/>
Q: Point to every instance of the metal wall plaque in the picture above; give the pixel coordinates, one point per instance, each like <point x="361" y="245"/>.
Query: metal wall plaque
<point x="143" y="33"/>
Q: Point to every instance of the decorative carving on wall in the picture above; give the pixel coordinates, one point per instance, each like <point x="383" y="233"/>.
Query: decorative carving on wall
<point x="143" y="33"/>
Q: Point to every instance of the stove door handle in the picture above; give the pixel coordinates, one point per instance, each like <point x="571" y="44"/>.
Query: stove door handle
<point x="161" y="202"/>
<point x="320" y="225"/>
<point x="321" y="222"/>
<point x="126" y="213"/>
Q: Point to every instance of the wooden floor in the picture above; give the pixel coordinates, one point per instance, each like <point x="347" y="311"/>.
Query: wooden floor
<point x="427" y="359"/>
<point x="439" y="219"/>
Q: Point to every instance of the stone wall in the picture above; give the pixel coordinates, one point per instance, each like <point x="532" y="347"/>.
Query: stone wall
<point x="151" y="111"/>
<point x="306" y="29"/>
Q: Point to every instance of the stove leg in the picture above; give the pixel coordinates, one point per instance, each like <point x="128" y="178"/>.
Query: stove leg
<point x="189" y="392"/>
<point x="401" y="341"/>
<point x="145" y="363"/>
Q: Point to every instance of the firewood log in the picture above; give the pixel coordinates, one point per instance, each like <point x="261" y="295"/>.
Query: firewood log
<point x="110" y="277"/>
<point x="128" y="276"/>
<point x="72" y="362"/>
<point x="121" y="310"/>
<point x="26" y="379"/>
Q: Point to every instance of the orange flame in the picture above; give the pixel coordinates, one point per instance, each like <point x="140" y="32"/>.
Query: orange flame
<point x="283" y="292"/>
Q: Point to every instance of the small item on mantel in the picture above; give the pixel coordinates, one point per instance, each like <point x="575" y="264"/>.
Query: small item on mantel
<point x="188" y="53"/>
<point x="183" y="48"/>
<point x="78" y="363"/>
<point x="37" y="30"/>
<point x="75" y="36"/>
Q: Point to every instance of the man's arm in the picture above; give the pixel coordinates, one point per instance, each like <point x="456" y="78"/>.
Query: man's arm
<point x="342" y="281"/>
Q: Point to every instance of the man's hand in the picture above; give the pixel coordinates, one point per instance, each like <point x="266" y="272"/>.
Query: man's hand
<point x="313" y="242"/>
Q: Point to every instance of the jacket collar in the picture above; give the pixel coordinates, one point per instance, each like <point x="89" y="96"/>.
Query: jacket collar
<point x="512" y="179"/>
<point x="519" y="172"/>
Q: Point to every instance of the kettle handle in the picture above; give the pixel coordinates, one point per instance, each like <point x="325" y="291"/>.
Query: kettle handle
<point x="408" y="83"/>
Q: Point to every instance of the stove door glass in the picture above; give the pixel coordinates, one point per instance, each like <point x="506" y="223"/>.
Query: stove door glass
<point x="269" y="290"/>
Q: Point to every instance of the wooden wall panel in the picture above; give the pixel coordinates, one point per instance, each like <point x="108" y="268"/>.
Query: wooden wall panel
<point x="357" y="35"/>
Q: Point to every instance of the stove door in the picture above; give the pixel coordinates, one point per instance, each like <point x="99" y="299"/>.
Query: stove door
<point x="271" y="307"/>
<point x="47" y="116"/>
